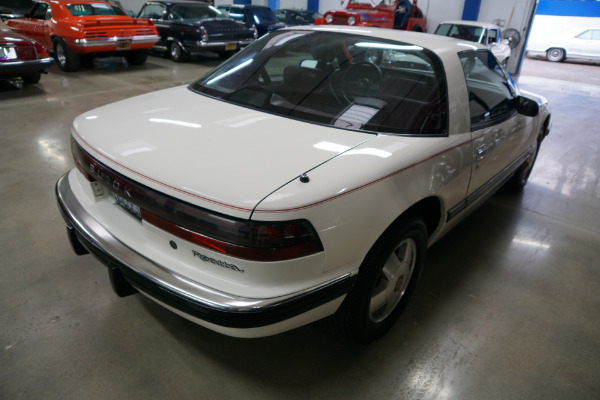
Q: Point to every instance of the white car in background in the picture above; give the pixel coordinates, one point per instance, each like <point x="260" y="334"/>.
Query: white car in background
<point x="303" y="178"/>
<point x="479" y="32"/>
<point x="582" y="44"/>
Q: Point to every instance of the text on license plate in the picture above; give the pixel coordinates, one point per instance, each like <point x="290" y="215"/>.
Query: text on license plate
<point x="123" y="44"/>
<point x="127" y="205"/>
<point x="230" y="46"/>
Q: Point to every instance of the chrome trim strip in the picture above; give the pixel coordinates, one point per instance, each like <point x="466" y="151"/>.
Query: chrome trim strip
<point x="200" y="43"/>
<point x="263" y="310"/>
<point x="39" y="64"/>
<point x="490" y="187"/>
<point x="113" y="40"/>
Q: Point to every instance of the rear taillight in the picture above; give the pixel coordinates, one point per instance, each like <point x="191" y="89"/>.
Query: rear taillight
<point x="82" y="160"/>
<point x="204" y="34"/>
<point x="42" y="51"/>
<point x="240" y="238"/>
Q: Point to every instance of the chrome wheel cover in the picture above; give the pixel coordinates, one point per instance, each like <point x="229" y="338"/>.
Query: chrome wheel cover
<point x="175" y="51"/>
<point x="555" y="54"/>
<point x="61" y="56"/>
<point x="393" y="281"/>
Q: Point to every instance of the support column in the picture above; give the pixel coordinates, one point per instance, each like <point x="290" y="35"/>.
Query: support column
<point x="471" y="10"/>
<point x="273" y="4"/>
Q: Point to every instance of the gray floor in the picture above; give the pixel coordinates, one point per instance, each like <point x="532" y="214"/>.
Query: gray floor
<point x="508" y="307"/>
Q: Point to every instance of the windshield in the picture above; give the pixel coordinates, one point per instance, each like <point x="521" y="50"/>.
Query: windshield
<point x="342" y="80"/>
<point x="374" y="3"/>
<point x="264" y="15"/>
<point x="194" y="12"/>
<point x="464" y="32"/>
<point x="17" y="4"/>
<point x="78" y="10"/>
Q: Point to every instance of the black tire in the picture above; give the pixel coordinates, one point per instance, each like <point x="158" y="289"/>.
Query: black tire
<point x="177" y="53"/>
<point x="66" y="58"/>
<point x="518" y="181"/>
<point x="32" y="78"/>
<point x="555" y="54"/>
<point x="386" y="280"/>
<point x="137" y="57"/>
<point x="225" y="54"/>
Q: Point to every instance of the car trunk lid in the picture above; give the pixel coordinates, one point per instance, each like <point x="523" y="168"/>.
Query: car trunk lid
<point x="207" y="152"/>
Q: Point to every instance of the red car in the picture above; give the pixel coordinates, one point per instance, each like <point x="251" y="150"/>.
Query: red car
<point x="20" y="57"/>
<point x="393" y="14"/>
<point x="78" y="28"/>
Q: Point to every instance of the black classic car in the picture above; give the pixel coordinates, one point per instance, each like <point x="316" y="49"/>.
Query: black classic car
<point x="187" y="27"/>
<point x="22" y="59"/>
<point x="292" y="17"/>
<point x="260" y="17"/>
<point x="10" y="9"/>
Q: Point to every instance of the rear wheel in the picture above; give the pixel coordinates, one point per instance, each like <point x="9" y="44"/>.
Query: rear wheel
<point x="66" y="58"/>
<point x="385" y="282"/>
<point x="176" y="52"/>
<point x="225" y="54"/>
<point x="555" y="54"/>
<point x="520" y="178"/>
<point x="137" y="57"/>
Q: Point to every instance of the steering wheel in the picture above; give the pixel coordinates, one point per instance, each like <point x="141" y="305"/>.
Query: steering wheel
<point x="361" y="80"/>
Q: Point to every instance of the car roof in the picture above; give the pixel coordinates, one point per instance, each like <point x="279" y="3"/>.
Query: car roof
<point x="435" y="43"/>
<point x="247" y="6"/>
<point x="80" y="2"/>
<point x="471" y="23"/>
<point x="176" y="2"/>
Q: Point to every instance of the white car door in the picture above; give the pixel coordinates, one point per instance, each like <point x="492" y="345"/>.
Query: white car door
<point x="586" y="44"/>
<point x="498" y="130"/>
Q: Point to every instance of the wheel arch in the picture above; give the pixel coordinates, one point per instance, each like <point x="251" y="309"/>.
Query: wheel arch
<point x="429" y="210"/>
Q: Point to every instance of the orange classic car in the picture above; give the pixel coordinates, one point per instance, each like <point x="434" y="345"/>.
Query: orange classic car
<point x="76" y="29"/>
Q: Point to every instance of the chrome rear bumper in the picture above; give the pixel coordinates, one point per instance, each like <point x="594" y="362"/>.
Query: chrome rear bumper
<point x="128" y="269"/>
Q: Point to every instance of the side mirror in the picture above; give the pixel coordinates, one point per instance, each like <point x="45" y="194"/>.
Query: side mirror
<point x="527" y="107"/>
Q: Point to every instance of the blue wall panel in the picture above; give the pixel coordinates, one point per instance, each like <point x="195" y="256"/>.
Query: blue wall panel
<point x="274" y="4"/>
<point x="471" y="10"/>
<point x="312" y="5"/>
<point x="570" y="8"/>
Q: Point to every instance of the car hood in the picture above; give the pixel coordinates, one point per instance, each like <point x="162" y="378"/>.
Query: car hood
<point x="205" y="151"/>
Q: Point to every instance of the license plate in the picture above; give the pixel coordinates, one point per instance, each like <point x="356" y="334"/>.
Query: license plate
<point x="127" y="205"/>
<point x="123" y="44"/>
<point x="230" y="46"/>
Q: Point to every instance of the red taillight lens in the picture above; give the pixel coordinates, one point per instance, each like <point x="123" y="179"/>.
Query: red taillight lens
<point x="82" y="159"/>
<point x="269" y="245"/>
<point x="42" y="51"/>
<point x="241" y="238"/>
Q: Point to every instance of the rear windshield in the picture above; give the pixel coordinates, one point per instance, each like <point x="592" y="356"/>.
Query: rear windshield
<point x="191" y="12"/>
<point x="79" y="10"/>
<point x="342" y="80"/>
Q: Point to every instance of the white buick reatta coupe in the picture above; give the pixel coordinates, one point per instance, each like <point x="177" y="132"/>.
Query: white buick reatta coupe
<point x="303" y="178"/>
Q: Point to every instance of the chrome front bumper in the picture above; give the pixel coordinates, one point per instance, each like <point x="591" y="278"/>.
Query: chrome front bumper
<point x="193" y="299"/>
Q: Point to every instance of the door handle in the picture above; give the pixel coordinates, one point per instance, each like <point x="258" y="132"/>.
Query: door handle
<point x="481" y="152"/>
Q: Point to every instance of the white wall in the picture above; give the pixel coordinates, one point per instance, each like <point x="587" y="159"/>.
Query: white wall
<point x="296" y="4"/>
<point x="545" y="26"/>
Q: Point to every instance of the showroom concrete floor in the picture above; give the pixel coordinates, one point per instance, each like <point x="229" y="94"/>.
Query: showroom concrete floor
<point x="508" y="306"/>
